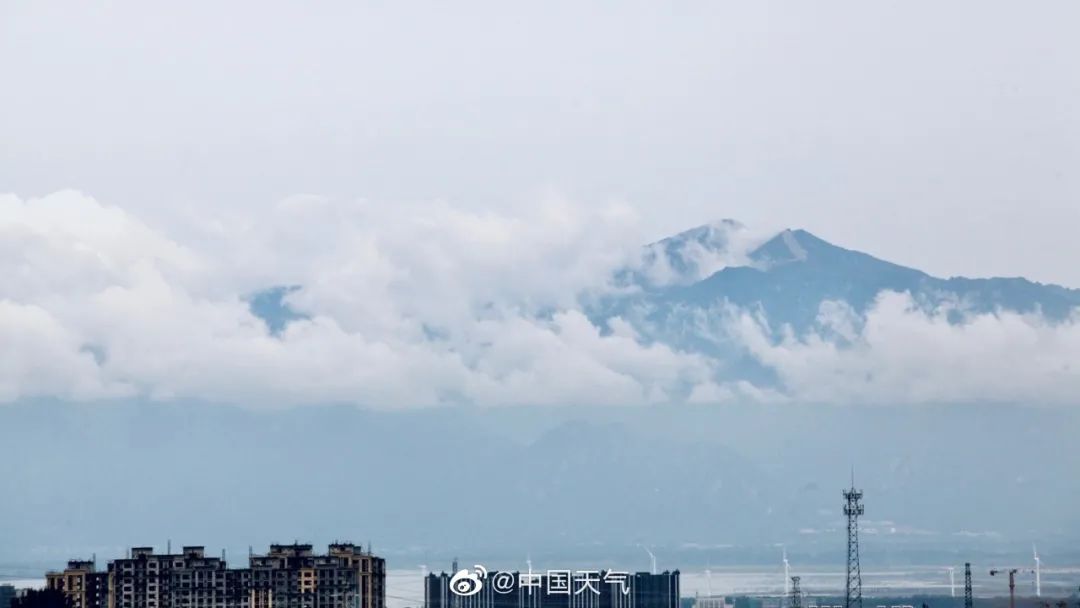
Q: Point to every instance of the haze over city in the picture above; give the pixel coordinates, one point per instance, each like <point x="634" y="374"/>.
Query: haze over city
<point x="569" y="282"/>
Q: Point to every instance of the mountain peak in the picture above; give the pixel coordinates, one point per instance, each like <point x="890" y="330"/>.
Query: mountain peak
<point x="694" y="254"/>
<point x="787" y="274"/>
<point x="714" y="232"/>
<point x="784" y="248"/>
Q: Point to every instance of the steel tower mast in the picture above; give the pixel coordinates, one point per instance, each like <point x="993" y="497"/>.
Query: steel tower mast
<point x="853" y="509"/>
<point x="796" y="592"/>
<point x="969" y="601"/>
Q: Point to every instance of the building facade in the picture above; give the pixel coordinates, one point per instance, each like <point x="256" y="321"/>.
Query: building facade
<point x="288" y="576"/>
<point x="185" y="580"/>
<point x="370" y="572"/>
<point x="82" y="583"/>
<point x="578" y="589"/>
<point x="7" y="593"/>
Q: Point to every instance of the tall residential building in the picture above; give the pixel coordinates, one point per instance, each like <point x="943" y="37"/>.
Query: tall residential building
<point x="185" y="580"/>
<point x="82" y="583"/>
<point x="291" y="576"/>
<point x="370" y="570"/>
<point x="288" y="576"/>
<point x="7" y="593"/>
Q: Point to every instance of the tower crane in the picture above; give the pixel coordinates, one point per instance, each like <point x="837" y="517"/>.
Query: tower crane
<point x="1012" y="572"/>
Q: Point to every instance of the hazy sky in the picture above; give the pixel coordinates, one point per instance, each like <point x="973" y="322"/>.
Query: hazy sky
<point x="445" y="185"/>
<point x="941" y="135"/>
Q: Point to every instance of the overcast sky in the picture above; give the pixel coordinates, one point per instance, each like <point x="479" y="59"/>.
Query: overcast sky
<point x="445" y="184"/>
<point x="941" y="135"/>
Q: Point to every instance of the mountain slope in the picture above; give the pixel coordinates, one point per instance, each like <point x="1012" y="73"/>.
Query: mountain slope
<point x="588" y="483"/>
<point x="789" y="276"/>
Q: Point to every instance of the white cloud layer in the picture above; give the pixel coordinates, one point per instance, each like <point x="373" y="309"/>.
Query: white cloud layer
<point x="425" y="304"/>
<point x="904" y="354"/>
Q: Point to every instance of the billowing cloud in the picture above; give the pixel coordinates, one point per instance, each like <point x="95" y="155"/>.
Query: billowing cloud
<point x="416" y="305"/>
<point x="701" y="251"/>
<point x="900" y="352"/>
<point x="423" y="304"/>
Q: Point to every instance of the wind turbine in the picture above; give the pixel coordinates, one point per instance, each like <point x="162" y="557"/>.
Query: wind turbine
<point x="1038" y="569"/>
<point x="787" y="573"/>
<point x="952" y="582"/>
<point x="652" y="558"/>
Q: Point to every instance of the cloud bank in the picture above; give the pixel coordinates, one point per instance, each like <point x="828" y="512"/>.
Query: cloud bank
<point x="425" y="304"/>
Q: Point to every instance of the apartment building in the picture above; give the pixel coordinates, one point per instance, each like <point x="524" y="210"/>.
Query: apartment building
<point x="287" y="576"/>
